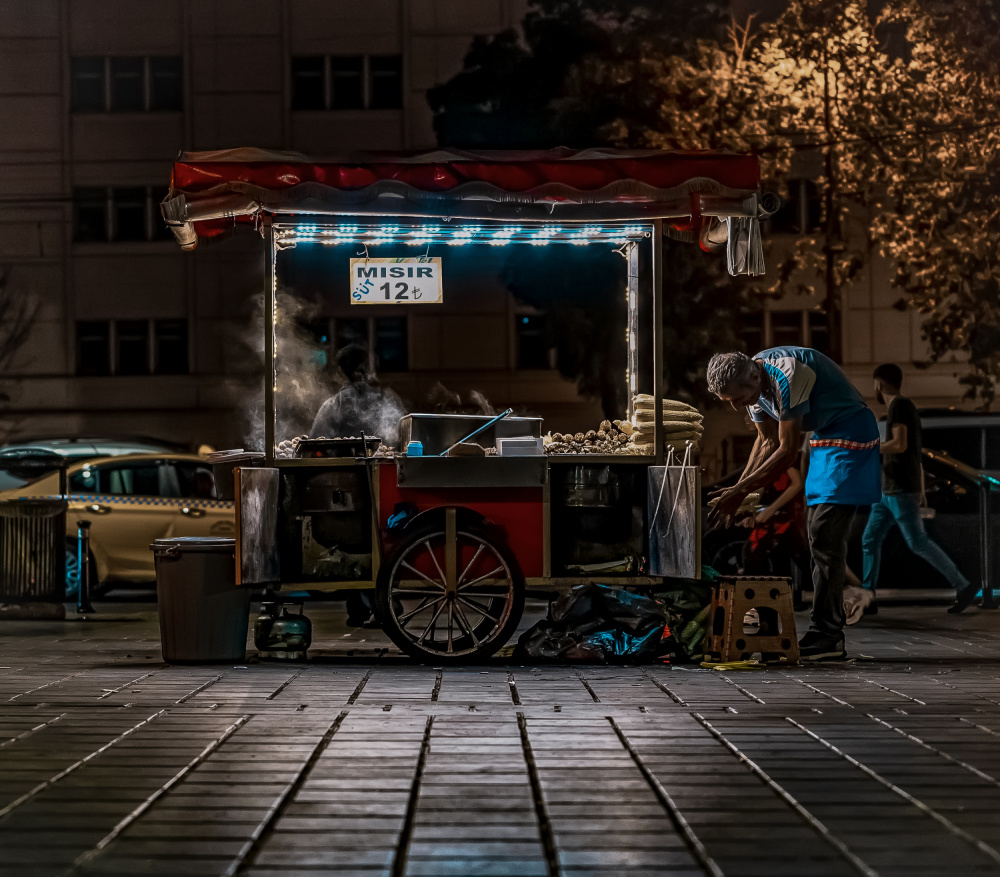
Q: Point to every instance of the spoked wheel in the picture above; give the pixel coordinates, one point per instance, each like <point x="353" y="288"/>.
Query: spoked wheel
<point x="450" y="595"/>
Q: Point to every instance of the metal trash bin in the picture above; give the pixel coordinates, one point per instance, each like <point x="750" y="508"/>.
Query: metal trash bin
<point x="33" y="556"/>
<point x="224" y="462"/>
<point x="204" y="616"/>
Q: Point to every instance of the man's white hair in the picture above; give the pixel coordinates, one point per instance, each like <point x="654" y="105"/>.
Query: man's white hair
<point x="726" y="370"/>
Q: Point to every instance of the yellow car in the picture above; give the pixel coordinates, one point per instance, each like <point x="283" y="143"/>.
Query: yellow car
<point x="130" y="500"/>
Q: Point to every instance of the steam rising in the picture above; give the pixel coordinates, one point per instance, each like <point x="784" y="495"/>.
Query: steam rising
<point x="302" y="378"/>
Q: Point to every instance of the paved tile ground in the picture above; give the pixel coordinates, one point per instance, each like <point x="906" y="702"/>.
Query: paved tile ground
<point x="361" y="763"/>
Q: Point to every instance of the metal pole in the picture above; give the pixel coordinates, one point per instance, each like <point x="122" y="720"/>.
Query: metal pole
<point x="658" y="340"/>
<point x="984" y="547"/>
<point x="83" y="604"/>
<point x="270" y="319"/>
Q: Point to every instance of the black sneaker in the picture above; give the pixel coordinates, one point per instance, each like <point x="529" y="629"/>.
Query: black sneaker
<point x="963" y="600"/>
<point x="816" y="646"/>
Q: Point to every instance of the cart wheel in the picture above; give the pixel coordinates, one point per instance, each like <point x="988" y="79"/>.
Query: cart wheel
<point x="450" y="601"/>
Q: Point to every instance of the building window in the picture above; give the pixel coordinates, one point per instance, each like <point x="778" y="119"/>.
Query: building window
<point x="787" y="329"/>
<point x="170" y="352"/>
<point x="111" y="213"/>
<point x="386" y="73"/>
<point x="819" y="337"/>
<point x="132" y="343"/>
<point x="93" y="347"/>
<point x="752" y="332"/>
<point x="347" y="82"/>
<point x="801" y="212"/>
<point x="88" y="92"/>
<point x="352" y="330"/>
<point x="796" y="329"/>
<point x="387" y="339"/>
<point x="126" y="84"/>
<point x="532" y="344"/>
<point x="131" y="347"/>
<point x="391" y="344"/>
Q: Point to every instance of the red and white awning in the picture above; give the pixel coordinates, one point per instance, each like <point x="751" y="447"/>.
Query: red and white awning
<point x="213" y="192"/>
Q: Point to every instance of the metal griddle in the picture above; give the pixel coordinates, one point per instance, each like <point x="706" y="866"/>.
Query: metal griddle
<point x="338" y="447"/>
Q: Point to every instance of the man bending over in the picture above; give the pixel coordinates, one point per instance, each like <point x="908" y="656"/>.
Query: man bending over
<point x="788" y="390"/>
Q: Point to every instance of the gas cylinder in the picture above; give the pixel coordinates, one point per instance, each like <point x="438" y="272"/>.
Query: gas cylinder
<point x="279" y="634"/>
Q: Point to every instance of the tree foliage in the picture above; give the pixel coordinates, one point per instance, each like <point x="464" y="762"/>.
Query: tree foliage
<point x="894" y="103"/>
<point x="902" y="102"/>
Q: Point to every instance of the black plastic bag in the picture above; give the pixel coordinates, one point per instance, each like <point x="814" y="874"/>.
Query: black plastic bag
<point x="596" y="624"/>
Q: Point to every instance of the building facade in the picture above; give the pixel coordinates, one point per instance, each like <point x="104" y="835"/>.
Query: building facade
<point x="130" y="336"/>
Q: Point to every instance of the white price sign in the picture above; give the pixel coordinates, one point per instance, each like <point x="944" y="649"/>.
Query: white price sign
<point x="396" y="281"/>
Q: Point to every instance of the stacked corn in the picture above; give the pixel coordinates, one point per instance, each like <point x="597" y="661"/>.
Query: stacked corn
<point x="682" y="424"/>
<point x="609" y="438"/>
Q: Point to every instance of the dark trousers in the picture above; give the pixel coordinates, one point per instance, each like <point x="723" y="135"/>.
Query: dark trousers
<point x="829" y="526"/>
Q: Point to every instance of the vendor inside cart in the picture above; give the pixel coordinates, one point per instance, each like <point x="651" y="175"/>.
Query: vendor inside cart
<point x="362" y="406"/>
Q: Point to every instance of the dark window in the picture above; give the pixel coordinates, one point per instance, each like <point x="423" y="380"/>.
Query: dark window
<point x="308" y="88"/>
<point x="127" y="85"/>
<point x="819" y="337"/>
<point x="93" y="347"/>
<point x="196" y="480"/>
<point x="386" y="82"/>
<point x="165" y="84"/>
<point x="811" y="209"/>
<point x="316" y="334"/>
<point x="786" y="328"/>
<point x="130" y="214"/>
<point x="351" y="331"/>
<point x="129" y="479"/>
<point x="347" y="81"/>
<point x="161" y="231"/>
<point x="88" y="85"/>
<point x="752" y="332"/>
<point x="391" y="350"/>
<point x="532" y="347"/>
<point x="90" y="214"/>
<point x="135" y="214"/>
<point x="171" y="347"/>
<point x="133" y="347"/>
<point x="801" y="211"/>
<point x="84" y="481"/>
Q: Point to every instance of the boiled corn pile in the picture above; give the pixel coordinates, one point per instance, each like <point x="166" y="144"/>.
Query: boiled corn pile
<point x="611" y="437"/>
<point x="682" y="425"/>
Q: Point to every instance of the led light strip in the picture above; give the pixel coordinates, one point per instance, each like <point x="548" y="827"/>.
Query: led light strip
<point x="459" y="235"/>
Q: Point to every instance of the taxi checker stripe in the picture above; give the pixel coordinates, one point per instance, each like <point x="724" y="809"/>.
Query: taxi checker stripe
<point x="843" y="443"/>
<point x="112" y="499"/>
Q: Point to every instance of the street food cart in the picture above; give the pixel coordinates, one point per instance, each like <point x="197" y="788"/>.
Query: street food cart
<point x="449" y="543"/>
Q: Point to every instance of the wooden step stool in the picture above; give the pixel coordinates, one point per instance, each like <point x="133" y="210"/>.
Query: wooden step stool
<point x="732" y="598"/>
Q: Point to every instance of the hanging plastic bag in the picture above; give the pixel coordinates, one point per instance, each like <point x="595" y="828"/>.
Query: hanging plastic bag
<point x="673" y="502"/>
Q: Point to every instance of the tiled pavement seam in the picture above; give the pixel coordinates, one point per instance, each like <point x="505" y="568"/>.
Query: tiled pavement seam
<point x="475" y="804"/>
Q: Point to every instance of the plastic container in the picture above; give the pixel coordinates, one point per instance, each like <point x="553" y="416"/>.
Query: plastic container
<point x="414" y="449"/>
<point x="204" y="616"/>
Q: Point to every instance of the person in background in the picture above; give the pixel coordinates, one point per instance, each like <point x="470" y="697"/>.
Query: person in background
<point x="777" y="530"/>
<point x="362" y="406"/>
<point x="788" y="390"/>
<point x="902" y="492"/>
<point x="777" y="543"/>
